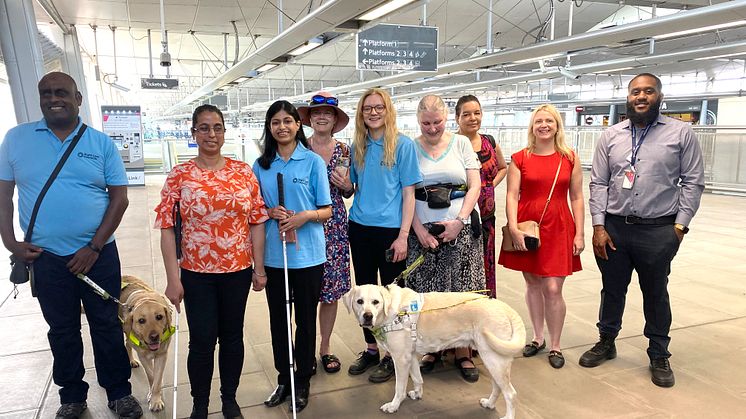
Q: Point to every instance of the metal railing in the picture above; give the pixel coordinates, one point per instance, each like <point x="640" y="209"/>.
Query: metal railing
<point x="723" y="148"/>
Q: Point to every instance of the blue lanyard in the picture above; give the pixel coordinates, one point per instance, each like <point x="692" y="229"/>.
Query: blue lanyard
<point x="636" y="144"/>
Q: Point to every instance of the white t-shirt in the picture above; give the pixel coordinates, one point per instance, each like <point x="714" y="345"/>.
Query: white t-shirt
<point x="451" y="168"/>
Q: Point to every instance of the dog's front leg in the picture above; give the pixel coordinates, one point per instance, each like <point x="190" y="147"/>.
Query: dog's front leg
<point x="414" y="372"/>
<point x="128" y="347"/>
<point x="155" y="398"/>
<point x="401" y="367"/>
<point x="147" y="364"/>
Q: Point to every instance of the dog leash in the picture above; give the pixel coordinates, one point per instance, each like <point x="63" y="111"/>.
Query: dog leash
<point x="98" y="290"/>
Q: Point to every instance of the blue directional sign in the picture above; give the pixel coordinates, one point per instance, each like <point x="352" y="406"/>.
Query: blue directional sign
<point x="398" y="47"/>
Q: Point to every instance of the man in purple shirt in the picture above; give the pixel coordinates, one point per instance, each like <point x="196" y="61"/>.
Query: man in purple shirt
<point x="646" y="183"/>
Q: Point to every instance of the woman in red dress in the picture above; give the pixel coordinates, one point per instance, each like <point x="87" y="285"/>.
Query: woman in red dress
<point x="530" y="177"/>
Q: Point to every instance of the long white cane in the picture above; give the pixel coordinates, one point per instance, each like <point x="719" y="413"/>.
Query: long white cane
<point x="291" y="362"/>
<point x="176" y="361"/>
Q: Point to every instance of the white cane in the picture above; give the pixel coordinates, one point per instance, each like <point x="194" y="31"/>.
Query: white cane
<point x="176" y="361"/>
<point x="281" y="193"/>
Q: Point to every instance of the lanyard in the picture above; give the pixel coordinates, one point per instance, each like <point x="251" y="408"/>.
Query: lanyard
<point x="636" y="144"/>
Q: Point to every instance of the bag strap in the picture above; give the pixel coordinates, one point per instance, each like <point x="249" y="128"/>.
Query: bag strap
<point x="491" y="139"/>
<point x="551" y="191"/>
<point x="51" y="179"/>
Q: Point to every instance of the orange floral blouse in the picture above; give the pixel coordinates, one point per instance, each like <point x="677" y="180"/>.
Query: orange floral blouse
<point x="217" y="208"/>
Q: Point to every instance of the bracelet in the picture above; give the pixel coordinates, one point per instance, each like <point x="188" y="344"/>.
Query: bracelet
<point x="258" y="274"/>
<point x="317" y="216"/>
<point x="93" y="247"/>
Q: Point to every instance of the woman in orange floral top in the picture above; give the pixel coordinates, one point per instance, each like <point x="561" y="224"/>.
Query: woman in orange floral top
<point x="223" y="217"/>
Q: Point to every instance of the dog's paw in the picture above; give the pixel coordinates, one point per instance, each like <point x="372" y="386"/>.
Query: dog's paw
<point x="134" y="364"/>
<point x="485" y="402"/>
<point x="415" y="394"/>
<point x="390" y="407"/>
<point x="156" y="404"/>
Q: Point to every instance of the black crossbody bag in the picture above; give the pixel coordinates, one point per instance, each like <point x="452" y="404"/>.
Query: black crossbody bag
<point x="22" y="272"/>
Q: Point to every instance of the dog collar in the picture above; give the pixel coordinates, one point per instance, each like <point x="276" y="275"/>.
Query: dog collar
<point x="166" y="336"/>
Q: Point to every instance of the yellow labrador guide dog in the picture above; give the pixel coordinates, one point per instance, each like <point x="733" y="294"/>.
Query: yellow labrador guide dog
<point x="146" y="322"/>
<point x="406" y="324"/>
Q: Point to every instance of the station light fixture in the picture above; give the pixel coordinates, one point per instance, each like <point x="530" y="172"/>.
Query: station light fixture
<point x="311" y="44"/>
<point x="384" y="9"/>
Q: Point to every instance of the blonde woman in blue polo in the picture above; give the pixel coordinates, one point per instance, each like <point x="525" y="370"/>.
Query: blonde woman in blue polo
<point x="307" y="204"/>
<point x="384" y="171"/>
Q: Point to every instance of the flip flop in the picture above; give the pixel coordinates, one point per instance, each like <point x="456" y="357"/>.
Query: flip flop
<point x="327" y="362"/>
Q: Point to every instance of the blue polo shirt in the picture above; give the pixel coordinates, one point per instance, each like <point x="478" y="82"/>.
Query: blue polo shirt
<point x="306" y="188"/>
<point x="74" y="206"/>
<point x="378" y="198"/>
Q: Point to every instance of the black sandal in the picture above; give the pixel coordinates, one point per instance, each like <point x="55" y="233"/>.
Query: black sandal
<point x="328" y="363"/>
<point x="470" y="374"/>
<point x="426" y="367"/>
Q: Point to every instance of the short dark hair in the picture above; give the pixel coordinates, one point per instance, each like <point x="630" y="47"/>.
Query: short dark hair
<point x="658" y="82"/>
<point x="206" y="108"/>
<point x="465" y="99"/>
<point x="269" y="144"/>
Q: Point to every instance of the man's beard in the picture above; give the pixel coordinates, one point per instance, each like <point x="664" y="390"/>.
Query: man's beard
<point x="643" y="118"/>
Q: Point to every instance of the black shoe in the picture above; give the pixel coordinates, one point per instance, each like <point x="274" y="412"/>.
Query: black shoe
<point x="556" y="360"/>
<point x="600" y="352"/>
<point x="533" y="348"/>
<point x="301" y="400"/>
<point x="71" y="410"/>
<point x="278" y="396"/>
<point x="470" y="374"/>
<point x="231" y="410"/>
<point x="383" y="372"/>
<point x="426" y="367"/>
<point x="127" y="407"/>
<point x="198" y="412"/>
<point x="363" y="362"/>
<point x="662" y="374"/>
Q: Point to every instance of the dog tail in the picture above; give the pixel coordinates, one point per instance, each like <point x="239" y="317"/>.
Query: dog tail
<point x="517" y="340"/>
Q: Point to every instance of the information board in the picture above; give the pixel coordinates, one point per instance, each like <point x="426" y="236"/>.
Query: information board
<point x="123" y="125"/>
<point x="398" y="47"/>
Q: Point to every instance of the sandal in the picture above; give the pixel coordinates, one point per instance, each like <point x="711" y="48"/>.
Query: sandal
<point x="470" y="374"/>
<point x="328" y="362"/>
<point x="426" y="367"/>
<point x="556" y="360"/>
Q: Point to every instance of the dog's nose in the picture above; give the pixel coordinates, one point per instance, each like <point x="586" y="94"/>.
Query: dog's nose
<point x="367" y="316"/>
<point x="154" y="337"/>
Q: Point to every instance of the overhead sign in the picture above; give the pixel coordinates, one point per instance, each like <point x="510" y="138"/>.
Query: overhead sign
<point x="159" y="83"/>
<point x="398" y="47"/>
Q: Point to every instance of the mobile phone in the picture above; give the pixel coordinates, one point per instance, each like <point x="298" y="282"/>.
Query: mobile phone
<point x="532" y="243"/>
<point x="389" y="255"/>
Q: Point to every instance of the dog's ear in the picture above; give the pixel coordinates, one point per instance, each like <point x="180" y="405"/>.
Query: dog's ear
<point x="393" y="300"/>
<point x="127" y="321"/>
<point x="347" y="299"/>
<point x="167" y="311"/>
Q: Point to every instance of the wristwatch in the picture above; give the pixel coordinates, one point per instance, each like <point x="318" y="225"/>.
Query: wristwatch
<point x="464" y="220"/>
<point x="682" y="228"/>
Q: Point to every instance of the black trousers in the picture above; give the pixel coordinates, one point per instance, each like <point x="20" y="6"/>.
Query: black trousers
<point x="215" y="305"/>
<point x="305" y="288"/>
<point x="60" y="294"/>
<point x="368" y="248"/>
<point x="649" y="250"/>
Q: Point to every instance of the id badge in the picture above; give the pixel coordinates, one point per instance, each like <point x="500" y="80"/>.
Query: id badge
<point x="629" y="179"/>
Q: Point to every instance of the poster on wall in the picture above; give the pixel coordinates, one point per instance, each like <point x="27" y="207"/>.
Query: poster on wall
<point x="123" y="125"/>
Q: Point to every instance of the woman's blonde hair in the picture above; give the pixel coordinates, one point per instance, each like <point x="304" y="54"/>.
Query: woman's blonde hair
<point x="432" y="103"/>
<point x="390" y="135"/>
<point x="559" y="138"/>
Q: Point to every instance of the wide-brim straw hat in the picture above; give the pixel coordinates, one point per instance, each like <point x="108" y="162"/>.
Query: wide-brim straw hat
<point x="305" y="117"/>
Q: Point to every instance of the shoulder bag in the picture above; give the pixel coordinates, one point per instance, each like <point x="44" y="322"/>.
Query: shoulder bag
<point x="530" y="227"/>
<point x="22" y="272"/>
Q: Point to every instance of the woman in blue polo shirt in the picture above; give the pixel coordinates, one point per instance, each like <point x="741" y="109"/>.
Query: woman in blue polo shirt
<point x="384" y="171"/>
<point x="307" y="204"/>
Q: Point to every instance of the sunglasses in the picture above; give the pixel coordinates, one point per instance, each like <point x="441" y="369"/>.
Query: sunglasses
<point x="318" y="99"/>
<point x="484" y="156"/>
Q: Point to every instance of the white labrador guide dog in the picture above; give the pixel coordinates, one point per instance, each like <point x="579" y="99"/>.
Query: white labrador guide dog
<point x="406" y="324"/>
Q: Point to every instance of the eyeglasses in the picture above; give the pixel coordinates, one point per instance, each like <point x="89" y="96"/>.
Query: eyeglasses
<point x="377" y="108"/>
<point x="317" y="99"/>
<point x="205" y="129"/>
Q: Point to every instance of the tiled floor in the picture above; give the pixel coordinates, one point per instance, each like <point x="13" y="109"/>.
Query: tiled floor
<point x="708" y="293"/>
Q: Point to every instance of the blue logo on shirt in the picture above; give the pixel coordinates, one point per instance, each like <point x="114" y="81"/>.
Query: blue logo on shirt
<point x="301" y="181"/>
<point x="88" y="156"/>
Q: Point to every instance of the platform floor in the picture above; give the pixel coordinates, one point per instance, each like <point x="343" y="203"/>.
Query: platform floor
<point x="708" y="294"/>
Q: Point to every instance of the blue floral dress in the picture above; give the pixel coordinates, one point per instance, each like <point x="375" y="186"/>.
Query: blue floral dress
<point x="336" y="281"/>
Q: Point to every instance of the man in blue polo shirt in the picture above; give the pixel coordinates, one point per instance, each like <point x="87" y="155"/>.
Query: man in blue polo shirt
<point x="73" y="233"/>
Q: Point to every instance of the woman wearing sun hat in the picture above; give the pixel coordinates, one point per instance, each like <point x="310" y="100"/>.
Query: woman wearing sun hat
<point x="326" y="118"/>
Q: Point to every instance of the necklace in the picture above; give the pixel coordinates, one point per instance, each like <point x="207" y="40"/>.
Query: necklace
<point x="202" y="165"/>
